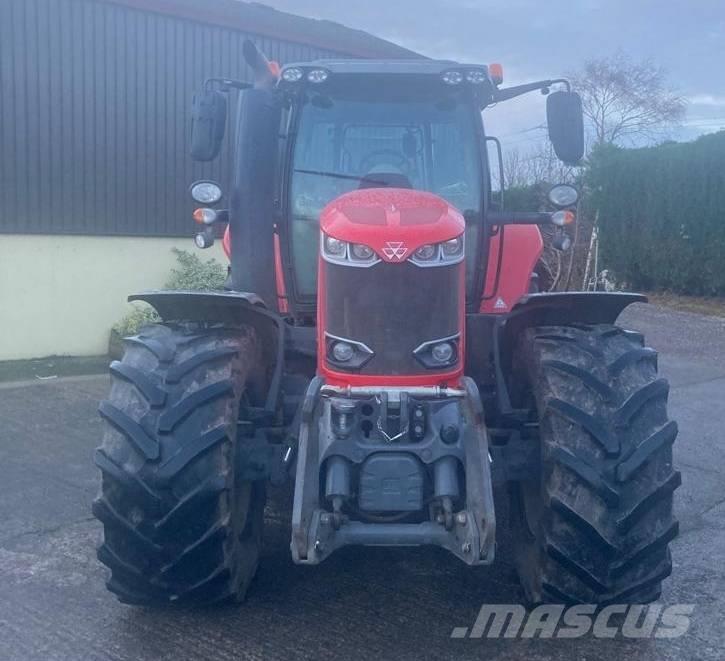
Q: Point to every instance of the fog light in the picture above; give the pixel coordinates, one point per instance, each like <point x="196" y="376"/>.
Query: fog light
<point x="442" y="352"/>
<point x="342" y="352"/>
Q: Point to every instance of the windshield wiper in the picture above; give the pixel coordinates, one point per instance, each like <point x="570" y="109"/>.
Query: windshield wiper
<point x="339" y="175"/>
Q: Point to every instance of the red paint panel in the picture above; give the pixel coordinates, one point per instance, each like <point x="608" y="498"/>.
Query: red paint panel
<point x="376" y="216"/>
<point x="522" y="247"/>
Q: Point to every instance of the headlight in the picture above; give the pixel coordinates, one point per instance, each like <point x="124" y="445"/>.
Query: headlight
<point x="426" y="253"/>
<point x="338" y="251"/>
<point x="452" y="77"/>
<point x="476" y="76"/>
<point x="292" y="75"/>
<point x="342" y="352"/>
<point x="318" y="75"/>
<point x="362" y="252"/>
<point x="563" y="195"/>
<point x="438" y="353"/>
<point x="346" y="354"/>
<point x="453" y="248"/>
<point x="439" y="254"/>
<point x="205" y="192"/>
<point x="335" y="247"/>
<point x="442" y="352"/>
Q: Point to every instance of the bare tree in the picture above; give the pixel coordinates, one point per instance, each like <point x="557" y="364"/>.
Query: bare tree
<point x="626" y="100"/>
<point x="514" y="169"/>
<point x="538" y="165"/>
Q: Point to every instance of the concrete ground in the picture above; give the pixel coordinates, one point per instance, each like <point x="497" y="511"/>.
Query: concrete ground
<point x="362" y="603"/>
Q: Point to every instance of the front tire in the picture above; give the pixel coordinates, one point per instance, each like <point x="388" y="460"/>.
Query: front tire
<point x="594" y="527"/>
<point x="179" y="526"/>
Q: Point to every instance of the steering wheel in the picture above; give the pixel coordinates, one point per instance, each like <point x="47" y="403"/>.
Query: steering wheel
<point x="393" y="157"/>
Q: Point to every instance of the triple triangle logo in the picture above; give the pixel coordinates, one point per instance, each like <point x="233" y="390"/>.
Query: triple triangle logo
<point x="395" y="250"/>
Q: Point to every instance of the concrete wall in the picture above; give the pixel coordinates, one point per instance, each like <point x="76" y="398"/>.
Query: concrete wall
<point x="60" y="295"/>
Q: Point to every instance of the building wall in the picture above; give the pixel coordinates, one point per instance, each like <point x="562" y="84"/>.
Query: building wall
<point x="94" y="143"/>
<point x="60" y="295"/>
<point x="96" y="111"/>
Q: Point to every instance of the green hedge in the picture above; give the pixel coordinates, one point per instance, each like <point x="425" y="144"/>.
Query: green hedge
<point x="662" y="214"/>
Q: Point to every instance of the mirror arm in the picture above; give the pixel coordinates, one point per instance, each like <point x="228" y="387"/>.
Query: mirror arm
<point x="512" y="92"/>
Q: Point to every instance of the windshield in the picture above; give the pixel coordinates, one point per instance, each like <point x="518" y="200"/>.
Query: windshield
<point x="360" y="140"/>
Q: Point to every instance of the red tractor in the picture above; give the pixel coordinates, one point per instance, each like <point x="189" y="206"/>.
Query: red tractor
<point x="380" y="341"/>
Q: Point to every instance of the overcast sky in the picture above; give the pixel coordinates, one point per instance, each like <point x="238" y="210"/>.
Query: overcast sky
<point x="547" y="38"/>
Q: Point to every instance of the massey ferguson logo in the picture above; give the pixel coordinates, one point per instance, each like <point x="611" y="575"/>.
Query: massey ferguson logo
<point x="395" y="250"/>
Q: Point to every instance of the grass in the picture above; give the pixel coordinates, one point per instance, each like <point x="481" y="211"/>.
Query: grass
<point x="713" y="307"/>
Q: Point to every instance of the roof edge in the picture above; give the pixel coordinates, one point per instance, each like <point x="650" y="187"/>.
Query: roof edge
<point x="259" y="19"/>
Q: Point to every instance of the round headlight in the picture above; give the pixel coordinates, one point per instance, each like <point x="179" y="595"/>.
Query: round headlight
<point x="361" y="251"/>
<point x="292" y="75"/>
<point x="453" y="247"/>
<point x="442" y="352"/>
<point x="425" y="253"/>
<point x="334" y="246"/>
<point x="476" y="76"/>
<point x="452" y="77"/>
<point x="318" y="75"/>
<point x="342" y="352"/>
<point x="206" y="192"/>
<point x="563" y="195"/>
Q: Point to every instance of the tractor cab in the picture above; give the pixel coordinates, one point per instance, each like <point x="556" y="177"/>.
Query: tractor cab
<point x="383" y="126"/>
<point x="311" y="132"/>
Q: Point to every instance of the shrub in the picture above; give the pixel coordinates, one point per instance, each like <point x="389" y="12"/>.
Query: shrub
<point x="140" y="315"/>
<point x="662" y="214"/>
<point x="193" y="273"/>
<point x="190" y="273"/>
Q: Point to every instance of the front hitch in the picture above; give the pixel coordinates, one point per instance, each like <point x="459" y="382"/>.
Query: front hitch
<point x="355" y="486"/>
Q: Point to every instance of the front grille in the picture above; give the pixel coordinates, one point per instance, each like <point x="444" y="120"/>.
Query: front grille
<point x="393" y="309"/>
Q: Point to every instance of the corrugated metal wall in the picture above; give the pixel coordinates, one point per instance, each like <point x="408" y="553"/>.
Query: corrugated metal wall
<point x="94" y="115"/>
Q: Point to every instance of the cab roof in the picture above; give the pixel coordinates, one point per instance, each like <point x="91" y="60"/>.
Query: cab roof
<point x="386" y="67"/>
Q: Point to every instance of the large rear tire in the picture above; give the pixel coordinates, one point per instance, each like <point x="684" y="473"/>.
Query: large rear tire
<point x="179" y="525"/>
<point x="594" y="527"/>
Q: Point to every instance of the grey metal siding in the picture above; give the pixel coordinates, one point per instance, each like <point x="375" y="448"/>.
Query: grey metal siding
<point x="94" y="114"/>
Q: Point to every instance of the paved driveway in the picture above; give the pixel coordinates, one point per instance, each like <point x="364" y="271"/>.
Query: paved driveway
<point x="369" y="603"/>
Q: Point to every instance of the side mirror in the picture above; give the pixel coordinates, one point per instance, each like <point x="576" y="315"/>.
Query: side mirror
<point x="208" y="122"/>
<point x="566" y="125"/>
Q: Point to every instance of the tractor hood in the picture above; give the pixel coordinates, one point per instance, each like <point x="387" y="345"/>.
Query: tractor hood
<point x="394" y="222"/>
